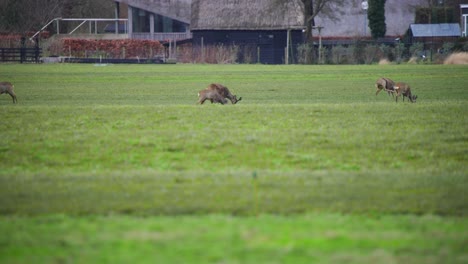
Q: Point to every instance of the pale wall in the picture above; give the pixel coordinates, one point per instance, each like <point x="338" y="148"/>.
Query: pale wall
<point x="399" y="14"/>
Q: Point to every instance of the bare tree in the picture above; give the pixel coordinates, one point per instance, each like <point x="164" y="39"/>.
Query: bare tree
<point x="21" y="16"/>
<point x="312" y="8"/>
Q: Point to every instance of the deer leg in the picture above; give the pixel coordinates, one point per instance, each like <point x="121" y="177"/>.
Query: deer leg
<point x="378" y="91"/>
<point x="13" y="96"/>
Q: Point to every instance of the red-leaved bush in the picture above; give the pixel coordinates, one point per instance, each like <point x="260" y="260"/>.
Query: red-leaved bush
<point x="117" y="49"/>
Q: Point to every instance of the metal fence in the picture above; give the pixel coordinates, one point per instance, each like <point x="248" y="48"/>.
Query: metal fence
<point x="22" y="54"/>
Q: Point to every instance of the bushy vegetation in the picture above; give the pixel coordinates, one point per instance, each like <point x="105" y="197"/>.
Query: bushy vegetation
<point x="376" y="17"/>
<point x="118" y="49"/>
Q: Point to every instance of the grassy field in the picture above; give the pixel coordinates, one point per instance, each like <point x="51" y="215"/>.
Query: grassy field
<point x="119" y="164"/>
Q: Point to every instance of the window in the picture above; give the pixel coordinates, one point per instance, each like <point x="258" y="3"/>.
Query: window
<point x="141" y="20"/>
<point x="165" y="24"/>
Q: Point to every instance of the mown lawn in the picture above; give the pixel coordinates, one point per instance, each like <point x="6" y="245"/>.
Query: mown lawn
<point x="119" y="164"/>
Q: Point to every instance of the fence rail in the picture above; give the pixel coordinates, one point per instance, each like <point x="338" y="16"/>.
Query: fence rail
<point x="162" y="36"/>
<point x="20" y="54"/>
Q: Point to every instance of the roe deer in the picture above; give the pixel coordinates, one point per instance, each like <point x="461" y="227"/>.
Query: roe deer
<point x="7" y="87"/>
<point x="211" y="95"/>
<point x="224" y="92"/>
<point x="404" y="89"/>
<point x="384" y="83"/>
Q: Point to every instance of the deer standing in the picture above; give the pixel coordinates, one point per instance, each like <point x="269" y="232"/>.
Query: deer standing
<point x="7" y="87"/>
<point x="404" y="89"/>
<point x="385" y="83"/>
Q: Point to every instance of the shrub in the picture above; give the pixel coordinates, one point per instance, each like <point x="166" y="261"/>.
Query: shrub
<point x="304" y="53"/>
<point x="386" y="51"/>
<point x="376" y="17"/>
<point x="338" y="54"/>
<point x="447" y="47"/>
<point x="226" y="54"/>
<point x="371" y="54"/>
<point x="128" y="48"/>
<point x="358" y="52"/>
<point x="416" y="49"/>
<point x="399" y="50"/>
<point x="217" y="54"/>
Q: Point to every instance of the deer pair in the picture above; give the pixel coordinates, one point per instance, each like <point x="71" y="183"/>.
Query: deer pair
<point x="399" y="88"/>
<point x="217" y="93"/>
<point x="7" y="87"/>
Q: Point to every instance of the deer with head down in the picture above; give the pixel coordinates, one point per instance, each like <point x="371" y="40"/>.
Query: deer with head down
<point x="211" y="95"/>
<point x="7" y="87"/>
<point x="224" y="92"/>
<point x="404" y="89"/>
<point x="385" y="83"/>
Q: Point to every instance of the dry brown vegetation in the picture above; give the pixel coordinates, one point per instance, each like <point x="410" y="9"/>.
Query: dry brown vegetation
<point x="457" y="58"/>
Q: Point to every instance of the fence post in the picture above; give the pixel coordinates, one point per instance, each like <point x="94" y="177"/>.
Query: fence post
<point x="258" y="54"/>
<point x="202" y="51"/>
<point x="23" y="49"/>
<point x="36" y="51"/>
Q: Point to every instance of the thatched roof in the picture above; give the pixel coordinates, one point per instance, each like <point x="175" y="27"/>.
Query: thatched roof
<point x="246" y="14"/>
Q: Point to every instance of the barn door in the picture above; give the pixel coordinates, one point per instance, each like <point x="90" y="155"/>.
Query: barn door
<point x="265" y="46"/>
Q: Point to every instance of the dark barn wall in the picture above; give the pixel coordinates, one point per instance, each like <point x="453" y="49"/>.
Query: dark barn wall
<point x="272" y="43"/>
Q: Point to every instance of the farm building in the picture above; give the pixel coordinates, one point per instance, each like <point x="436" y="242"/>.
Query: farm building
<point x="261" y="28"/>
<point x="265" y="29"/>
<point x="464" y="19"/>
<point x="152" y="18"/>
<point x="434" y="35"/>
<point x="157" y="20"/>
<point x="350" y="20"/>
<point x="428" y="32"/>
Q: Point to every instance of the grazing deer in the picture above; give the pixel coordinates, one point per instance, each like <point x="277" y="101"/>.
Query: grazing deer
<point x="211" y="95"/>
<point x="385" y="83"/>
<point x="224" y="92"/>
<point x="404" y="89"/>
<point x="7" y="87"/>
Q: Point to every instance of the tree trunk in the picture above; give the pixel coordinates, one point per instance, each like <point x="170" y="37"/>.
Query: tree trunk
<point x="309" y="10"/>
<point x="309" y="24"/>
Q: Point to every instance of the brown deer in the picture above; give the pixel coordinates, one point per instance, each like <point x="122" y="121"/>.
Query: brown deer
<point x="211" y="95"/>
<point x="7" y="87"/>
<point x="224" y="92"/>
<point x="385" y="83"/>
<point x="404" y="89"/>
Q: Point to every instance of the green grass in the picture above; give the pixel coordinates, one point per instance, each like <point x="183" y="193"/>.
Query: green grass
<point x="309" y="238"/>
<point x="114" y="150"/>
